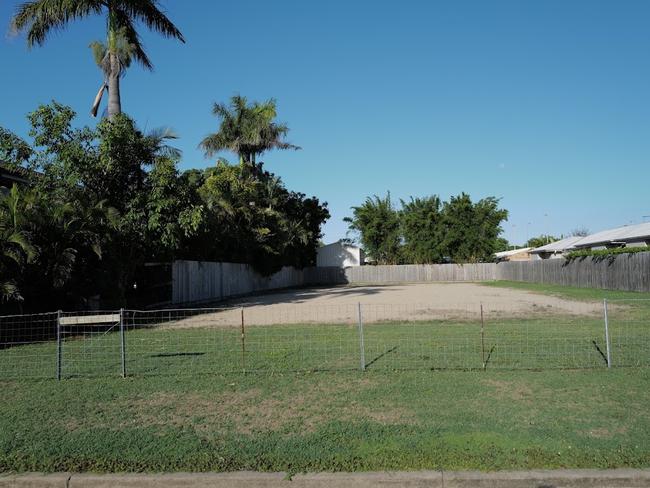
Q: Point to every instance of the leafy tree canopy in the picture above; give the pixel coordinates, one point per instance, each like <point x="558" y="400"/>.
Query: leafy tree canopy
<point x="377" y="224"/>
<point x="103" y="201"/>
<point x="540" y="240"/>
<point x="426" y="230"/>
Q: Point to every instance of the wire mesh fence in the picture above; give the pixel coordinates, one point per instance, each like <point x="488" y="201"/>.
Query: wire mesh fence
<point x="308" y="337"/>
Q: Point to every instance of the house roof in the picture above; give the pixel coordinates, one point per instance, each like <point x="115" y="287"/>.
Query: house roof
<point x="627" y="233"/>
<point x="507" y="254"/>
<point x="558" y="246"/>
<point x="17" y="173"/>
<point x="341" y="244"/>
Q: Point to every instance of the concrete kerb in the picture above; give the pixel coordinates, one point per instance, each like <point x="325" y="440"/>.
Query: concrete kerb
<point x="617" y="478"/>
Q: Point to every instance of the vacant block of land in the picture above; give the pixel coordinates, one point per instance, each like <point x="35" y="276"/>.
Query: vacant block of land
<point x="405" y="302"/>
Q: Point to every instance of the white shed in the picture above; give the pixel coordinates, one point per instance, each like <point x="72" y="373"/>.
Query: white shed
<point x="339" y="255"/>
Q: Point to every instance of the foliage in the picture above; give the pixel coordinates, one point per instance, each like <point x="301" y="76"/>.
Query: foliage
<point x="16" y="249"/>
<point x="247" y="130"/>
<point x="104" y="201"/>
<point x="255" y="219"/>
<point x="502" y="244"/>
<point x="471" y="229"/>
<point x="421" y="228"/>
<point x="40" y="18"/>
<point x="604" y="253"/>
<point x="580" y="232"/>
<point x="426" y="230"/>
<point x="540" y="241"/>
<point x="378" y="224"/>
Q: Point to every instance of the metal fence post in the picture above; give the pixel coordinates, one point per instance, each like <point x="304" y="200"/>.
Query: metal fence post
<point x="58" y="345"/>
<point x="122" y="343"/>
<point x="243" y="342"/>
<point x="362" y="347"/>
<point x="607" y="344"/>
<point x="483" y="339"/>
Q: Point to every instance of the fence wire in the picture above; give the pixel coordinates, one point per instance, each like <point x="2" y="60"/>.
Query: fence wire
<point x="307" y="337"/>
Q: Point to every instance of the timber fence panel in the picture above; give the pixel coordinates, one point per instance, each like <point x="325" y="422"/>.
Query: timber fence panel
<point x="198" y="281"/>
<point x="625" y="272"/>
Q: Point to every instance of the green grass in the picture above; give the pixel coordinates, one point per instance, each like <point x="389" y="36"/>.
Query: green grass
<point x="323" y="421"/>
<point x="541" y="338"/>
<point x="535" y="342"/>
<point x="546" y="399"/>
<point x="569" y="292"/>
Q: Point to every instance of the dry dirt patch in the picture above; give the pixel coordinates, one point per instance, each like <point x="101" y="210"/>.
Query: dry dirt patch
<point x="422" y="301"/>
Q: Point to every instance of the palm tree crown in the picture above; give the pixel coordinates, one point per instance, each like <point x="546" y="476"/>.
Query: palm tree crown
<point x="39" y="18"/>
<point x="247" y="130"/>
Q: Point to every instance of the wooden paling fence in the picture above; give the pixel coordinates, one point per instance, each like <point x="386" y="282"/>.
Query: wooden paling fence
<point x="194" y="281"/>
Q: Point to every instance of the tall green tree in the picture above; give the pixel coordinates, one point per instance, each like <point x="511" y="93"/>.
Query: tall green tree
<point x="471" y="230"/>
<point x="426" y="230"/>
<point x="377" y="224"/>
<point x="423" y="239"/>
<point x="248" y="130"/>
<point x="39" y="18"/>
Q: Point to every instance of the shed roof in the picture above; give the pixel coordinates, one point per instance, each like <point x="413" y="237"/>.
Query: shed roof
<point x="341" y="244"/>
<point x="627" y="233"/>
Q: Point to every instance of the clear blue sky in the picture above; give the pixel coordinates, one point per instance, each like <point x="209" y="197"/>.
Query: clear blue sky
<point x="545" y="104"/>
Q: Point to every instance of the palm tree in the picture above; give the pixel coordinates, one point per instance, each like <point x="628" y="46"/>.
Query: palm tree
<point x="246" y="130"/>
<point x="40" y="17"/>
<point x="124" y="51"/>
<point x="16" y="249"/>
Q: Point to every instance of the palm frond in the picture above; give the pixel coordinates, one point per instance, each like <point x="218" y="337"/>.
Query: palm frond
<point x="157" y="138"/>
<point x="40" y="17"/>
<point x="128" y="31"/>
<point x="99" y="51"/>
<point x="149" y="13"/>
<point x="23" y="246"/>
<point x="98" y="100"/>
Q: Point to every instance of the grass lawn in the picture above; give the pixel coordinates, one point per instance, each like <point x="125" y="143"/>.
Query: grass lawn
<point x="570" y="292"/>
<point x="185" y="406"/>
<point x="329" y="421"/>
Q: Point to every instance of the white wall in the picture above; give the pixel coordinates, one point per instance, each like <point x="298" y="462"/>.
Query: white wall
<point x="339" y="256"/>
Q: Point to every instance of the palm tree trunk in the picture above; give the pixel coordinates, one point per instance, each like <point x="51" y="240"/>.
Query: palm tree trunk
<point x="114" y="101"/>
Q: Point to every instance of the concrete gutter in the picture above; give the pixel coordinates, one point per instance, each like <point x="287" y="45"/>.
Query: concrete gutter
<point x="616" y="478"/>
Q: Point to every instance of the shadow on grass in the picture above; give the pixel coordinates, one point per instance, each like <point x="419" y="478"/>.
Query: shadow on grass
<point x="381" y="356"/>
<point x="176" y="354"/>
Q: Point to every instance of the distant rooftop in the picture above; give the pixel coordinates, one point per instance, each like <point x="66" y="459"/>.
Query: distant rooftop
<point x="507" y="254"/>
<point x="558" y="246"/>
<point x="627" y="233"/>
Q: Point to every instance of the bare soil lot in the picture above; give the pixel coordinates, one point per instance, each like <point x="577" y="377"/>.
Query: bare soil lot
<point x="408" y="302"/>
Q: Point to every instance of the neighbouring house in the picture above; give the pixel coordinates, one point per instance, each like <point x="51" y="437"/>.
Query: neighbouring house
<point x="339" y="255"/>
<point x="556" y="249"/>
<point x="10" y="176"/>
<point x="522" y="254"/>
<point x="637" y="235"/>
